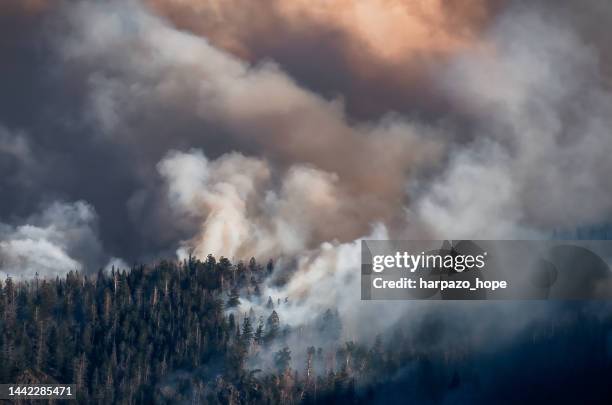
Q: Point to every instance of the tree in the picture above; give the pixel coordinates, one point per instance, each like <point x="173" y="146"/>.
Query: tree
<point x="272" y="326"/>
<point x="234" y="298"/>
<point x="256" y="289"/>
<point x="309" y="364"/>
<point x="455" y="381"/>
<point x="330" y="325"/>
<point x="247" y="330"/>
<point x="259" y="333"/>
<point x="252" y="265"/>
<point x="282" y="359"/>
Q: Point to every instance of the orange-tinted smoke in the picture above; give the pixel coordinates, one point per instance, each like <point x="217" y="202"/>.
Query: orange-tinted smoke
<point x="23" y="6"/>
<point x="389" y="30"/>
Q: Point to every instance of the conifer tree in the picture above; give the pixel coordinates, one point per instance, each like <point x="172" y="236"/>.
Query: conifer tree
<point x="259" y="332"/>
<point x="234" y="298"/>
<point x="247" y="330"/>
<point x="272" y="326"/>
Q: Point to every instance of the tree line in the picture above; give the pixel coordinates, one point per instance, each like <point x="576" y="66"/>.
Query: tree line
<point x="167" y="333"/>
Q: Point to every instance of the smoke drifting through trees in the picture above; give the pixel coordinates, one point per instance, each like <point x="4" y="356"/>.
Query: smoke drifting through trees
<point x="172" y="333"/>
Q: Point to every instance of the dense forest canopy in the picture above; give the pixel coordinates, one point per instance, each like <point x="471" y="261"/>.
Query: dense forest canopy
<point x="157" y="334"/>
<point x="178" y="332"/>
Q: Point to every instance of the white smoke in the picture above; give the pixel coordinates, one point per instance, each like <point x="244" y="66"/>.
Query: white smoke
<point x="217" y="194"/>
<point x="243" y="211"/>
<point x="540" y="160"/>
<point x="15" y="146"/>
<point x="117" y="264"/>
<point x="59" y="239"/>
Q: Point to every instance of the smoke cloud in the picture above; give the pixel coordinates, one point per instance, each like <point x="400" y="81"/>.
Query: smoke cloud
<point x="358" y="171"/>
<point x="539" y="162"/>
<point x="59" y="239"/>
<point x="378" y="55"/>
<point x="136" y="130"/>
<point x="389" y="29"/>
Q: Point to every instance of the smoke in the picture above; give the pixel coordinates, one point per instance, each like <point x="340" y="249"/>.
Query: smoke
<point x="242" y="212"/>
<point x="216" y="194"/>
<point x="24" y="6"/>
<point x="389" y="29"/>
<point x="358" y="172"/>
<point x="379" y="55"/>
<point x="293" y="129"/>
<point x="16" y="155"/>
<point x="535" y="162"/>
<point x="539" y="162"/>
<point x="59" y="239"/>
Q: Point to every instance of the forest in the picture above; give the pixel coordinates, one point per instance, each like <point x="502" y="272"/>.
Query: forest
<point x="156" y="334"/>
<point x="172" y="333"/>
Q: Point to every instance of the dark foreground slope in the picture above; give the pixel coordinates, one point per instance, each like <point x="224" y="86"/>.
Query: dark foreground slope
<point x="172" y="333"/>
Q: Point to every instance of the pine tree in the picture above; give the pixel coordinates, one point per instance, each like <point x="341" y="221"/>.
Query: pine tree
<point x="247" y="330"/>
<point x="282" y="359"/>
<point x="259" y="332"/>
<point x="272" y="326"/>
<point x="252" y="265"/>
<point x="234" y="298"/>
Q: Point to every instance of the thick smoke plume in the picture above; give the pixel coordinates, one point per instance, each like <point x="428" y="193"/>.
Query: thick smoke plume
<point x="388" y="29"/>
<point x="146" y="129"/>
<point x="539" y="160"/>
<point x="344" y="176"/>
<point x="378" y="55"/>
